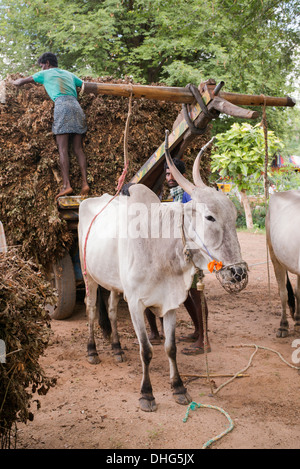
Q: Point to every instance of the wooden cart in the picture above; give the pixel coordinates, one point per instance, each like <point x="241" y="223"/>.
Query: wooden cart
<point x="200" y="105"/>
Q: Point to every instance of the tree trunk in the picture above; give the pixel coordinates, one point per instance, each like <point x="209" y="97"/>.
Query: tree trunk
<point x="246" y="205"/>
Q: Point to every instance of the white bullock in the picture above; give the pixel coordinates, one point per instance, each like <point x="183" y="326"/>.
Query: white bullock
<point x="282" y="229"/>
<point x="143" y="256"/>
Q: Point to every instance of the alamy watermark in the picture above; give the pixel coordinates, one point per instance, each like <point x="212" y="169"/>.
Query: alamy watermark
<point x="132" y="220"/>
<point x="296" y="353"/>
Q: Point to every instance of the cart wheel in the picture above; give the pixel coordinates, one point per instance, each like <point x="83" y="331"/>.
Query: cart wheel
<point x="62" y="277"/>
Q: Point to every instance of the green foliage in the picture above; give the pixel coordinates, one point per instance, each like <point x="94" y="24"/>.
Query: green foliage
<point x="252" y="45"/>
<point x="240" y="153"/>
<point x="291" y="133"/>
<point x="286" y="179"/>
<point x="258" y="214"/>
<point x="249" y="44"/>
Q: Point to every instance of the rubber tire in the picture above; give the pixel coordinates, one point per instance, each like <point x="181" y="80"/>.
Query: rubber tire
<point x="62" y="277"/>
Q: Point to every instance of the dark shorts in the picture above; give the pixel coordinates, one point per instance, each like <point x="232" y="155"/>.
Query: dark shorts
<point x="69" y="118"/>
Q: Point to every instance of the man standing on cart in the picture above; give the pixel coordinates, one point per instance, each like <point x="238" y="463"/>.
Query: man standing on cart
<point x="69" y="119"/>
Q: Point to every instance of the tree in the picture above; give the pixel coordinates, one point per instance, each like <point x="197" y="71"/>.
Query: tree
<point x="245" y="43"/>
<point x="250" y="44"/>
<point x="240" y="156"/>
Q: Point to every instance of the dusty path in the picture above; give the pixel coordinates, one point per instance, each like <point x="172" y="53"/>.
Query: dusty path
<point x="97" y="406"/>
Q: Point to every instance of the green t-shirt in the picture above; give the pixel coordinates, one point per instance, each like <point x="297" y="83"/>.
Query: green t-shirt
<point x="58" y="82"/>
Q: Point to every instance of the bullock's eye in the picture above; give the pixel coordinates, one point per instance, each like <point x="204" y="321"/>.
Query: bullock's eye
<point x="210" y="218"/>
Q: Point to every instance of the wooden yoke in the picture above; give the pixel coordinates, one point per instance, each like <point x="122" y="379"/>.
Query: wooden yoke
<point x="214" y="105"/>
<point x="200" y="106"/>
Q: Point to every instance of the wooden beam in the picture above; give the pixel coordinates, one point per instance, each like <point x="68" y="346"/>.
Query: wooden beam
<point x="180" y="95"/>
<point x="256" y="100"/>
<point x="159" y="93"/>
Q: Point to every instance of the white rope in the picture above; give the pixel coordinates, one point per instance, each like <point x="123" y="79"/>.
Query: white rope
<point x="257" y="347"/>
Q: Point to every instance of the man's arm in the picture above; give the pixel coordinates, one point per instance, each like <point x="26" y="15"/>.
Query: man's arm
<point x="23" y="81"/>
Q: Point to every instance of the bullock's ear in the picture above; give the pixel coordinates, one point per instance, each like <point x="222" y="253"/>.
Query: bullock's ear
<point x="125" y="189"/>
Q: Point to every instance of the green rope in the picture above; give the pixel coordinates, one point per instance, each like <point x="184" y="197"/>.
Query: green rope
<point x="194" y="406"/>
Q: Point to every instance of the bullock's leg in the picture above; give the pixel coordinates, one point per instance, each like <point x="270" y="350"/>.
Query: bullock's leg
<point x="147" y="401"/>
<point x="280" y="275"/>
<point x="91" y="311"/>
<point x="283" y="330"/>
<point x="112" y="313"/>
<point x="180" y="393"/>
<point x="297" y="313"/>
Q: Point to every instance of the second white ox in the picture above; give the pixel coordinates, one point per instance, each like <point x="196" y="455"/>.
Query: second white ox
<point x="282" y="229"/>
<point x="119" y="251"/>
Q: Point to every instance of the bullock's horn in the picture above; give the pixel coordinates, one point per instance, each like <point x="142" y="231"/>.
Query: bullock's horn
<point x="196" y="168"/>
<point x="186" y="185"/>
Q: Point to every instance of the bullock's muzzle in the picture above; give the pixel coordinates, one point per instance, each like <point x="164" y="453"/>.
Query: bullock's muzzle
<point x="233" y="278"/>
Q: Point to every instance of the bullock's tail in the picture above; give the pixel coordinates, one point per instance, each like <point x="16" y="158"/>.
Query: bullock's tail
<point x="291" y="296"/>
<point x="104" y="321"/>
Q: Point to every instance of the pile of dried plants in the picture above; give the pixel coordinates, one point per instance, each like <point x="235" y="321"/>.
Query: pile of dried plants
<point x="24" y="335"/>
<point x="29" y="162"/>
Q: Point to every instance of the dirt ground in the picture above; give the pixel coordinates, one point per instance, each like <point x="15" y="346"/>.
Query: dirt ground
<point x="96" y="407"/>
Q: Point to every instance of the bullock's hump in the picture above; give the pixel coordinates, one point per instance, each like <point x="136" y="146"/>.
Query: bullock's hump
<point x="283" y="217"/>
<point x="93" y="205"/>
<point x="141" y="193"/>
<point x="281" y="200"/>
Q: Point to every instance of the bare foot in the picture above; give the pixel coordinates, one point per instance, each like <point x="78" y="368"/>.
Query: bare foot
<point x="197" y="348"/>
<point x="85" y="189"/>
<point x="194" y="350"/>
<point x="66" y="191"/>
<point x="188" y="338"/>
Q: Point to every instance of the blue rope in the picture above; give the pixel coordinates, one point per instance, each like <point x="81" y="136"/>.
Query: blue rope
<point x="204" y="245"/>
<point x="194" y="406"/>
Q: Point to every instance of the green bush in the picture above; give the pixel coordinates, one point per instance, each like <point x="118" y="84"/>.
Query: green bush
<point x="258" y="214"/>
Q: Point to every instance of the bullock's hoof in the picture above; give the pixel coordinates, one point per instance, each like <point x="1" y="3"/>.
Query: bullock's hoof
<point x="147" y="405"/>
<point x="282" y="333"/>
<point x="118" y="352"/>
<point x="94" y="359"/>
<point x="182" y="398"/>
